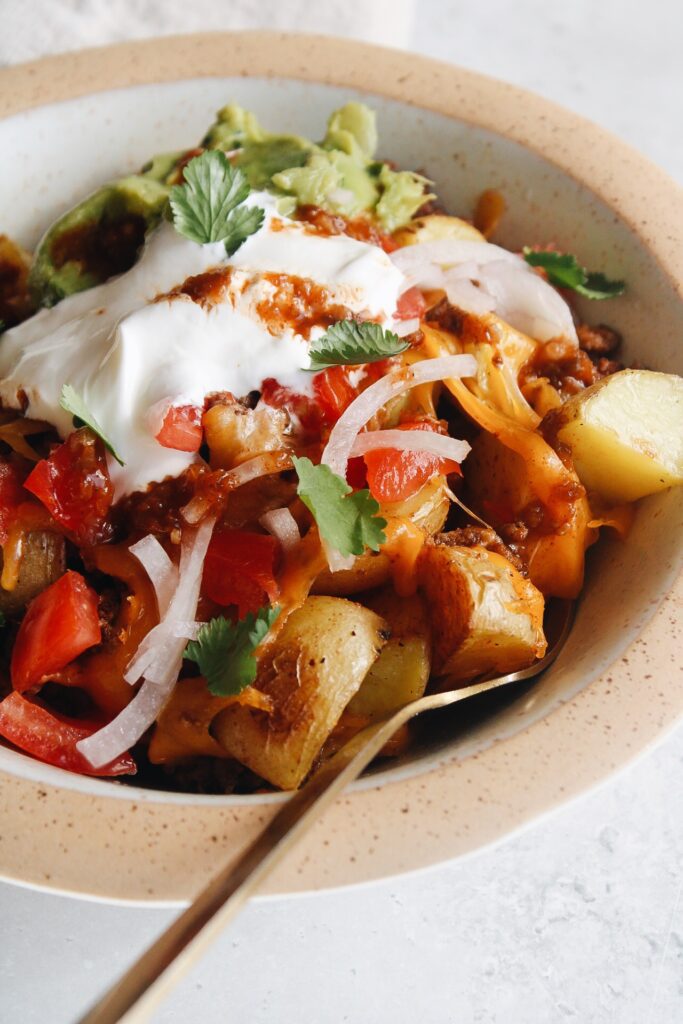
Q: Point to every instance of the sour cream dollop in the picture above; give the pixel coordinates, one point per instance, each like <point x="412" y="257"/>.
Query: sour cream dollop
<point x="130" y="348"/>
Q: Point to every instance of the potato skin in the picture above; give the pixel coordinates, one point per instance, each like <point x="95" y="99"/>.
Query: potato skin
<point x="435" y="226"/>
<point x="309" y="672"/>
<point x="401" y="672"/>
<point x="501" y="488"/>
<point x="485" y="616"/>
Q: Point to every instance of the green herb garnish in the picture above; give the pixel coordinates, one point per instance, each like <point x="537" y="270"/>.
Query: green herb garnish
<point x="73" y="403"/>
<point x="347" y="522"/>
<point x="350" y="343"/>
<point x="565" y="271"/>
<point x="224" y="650"/>
<point x="207" y="208"/>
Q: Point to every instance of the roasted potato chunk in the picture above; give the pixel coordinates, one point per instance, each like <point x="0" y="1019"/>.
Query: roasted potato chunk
<point x="626" y="434"/>
<point x="502" y="488"/>
<point x="427" y="510"/>
<point x="485" y="616"/>
<point x="436" y="226"/>
<point x="400" y="674"/>
<point x="43" y="560"/>
<point x="310" y="672"/>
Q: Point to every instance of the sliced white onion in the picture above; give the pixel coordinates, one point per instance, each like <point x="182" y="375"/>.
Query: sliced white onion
<point x="160" y="676"/>
<point x="159" y="567"/>
<point x="341" y="441"/>
<point x="467" y="296"/>
<point x="405" y="327"/>
<point x="282" y="525"/>
<point x="363" y="408"/>
<point x="507" y="285"/>
<point x="412" y="441"/>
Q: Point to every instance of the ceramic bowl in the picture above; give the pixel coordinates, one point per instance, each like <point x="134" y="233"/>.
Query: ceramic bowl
<point x="71" y="122"/>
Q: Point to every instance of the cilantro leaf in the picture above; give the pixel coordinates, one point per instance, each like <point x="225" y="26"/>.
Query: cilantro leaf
<point x="224" y="650"/>
<point x="565" y="271"/>
<point x="241" y="223"/>
<point x="205" y="207"/>
<point x="350" y="342"/>
<point x="73" y="403"/>
<point x="597" y="286"/>
<point x="348" y="522"/>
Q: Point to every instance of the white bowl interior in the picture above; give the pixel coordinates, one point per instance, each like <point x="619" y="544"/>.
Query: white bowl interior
<point x="61" y="151"/>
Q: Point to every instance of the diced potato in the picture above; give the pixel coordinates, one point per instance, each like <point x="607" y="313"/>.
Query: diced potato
<point x="503" y="487"/>
<point x="485" y="616"/>
<point x="182" y="728"/>
<point x="436" y="226"/>
<point x="235" y="433"/>
<point x="401" y="672"/>
<point x="427" y="510"/>
<point x="626" y="434"/>
<point x="310" y="672"/>
<point x="43" y="560"/>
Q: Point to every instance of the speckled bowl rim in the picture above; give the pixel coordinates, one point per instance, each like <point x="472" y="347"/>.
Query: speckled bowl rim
<point x="161" y="849"/>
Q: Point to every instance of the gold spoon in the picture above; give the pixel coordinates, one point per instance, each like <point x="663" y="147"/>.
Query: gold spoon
<point x="132" y="999"/>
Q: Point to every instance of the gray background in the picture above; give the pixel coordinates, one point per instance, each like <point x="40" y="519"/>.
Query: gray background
<point x="580" y="917"/>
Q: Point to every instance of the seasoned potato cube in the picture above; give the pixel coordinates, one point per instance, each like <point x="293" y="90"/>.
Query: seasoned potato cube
<point x="43" y="560"/>
<point x="310" y="673"/>
<point x="401" y="672"/>
<point x="235" y="433"/>
<point x="427" y="509"/>
<point x="626" y="434"/>
<point x="485" y="616"/>
<point x="436" y="226"/>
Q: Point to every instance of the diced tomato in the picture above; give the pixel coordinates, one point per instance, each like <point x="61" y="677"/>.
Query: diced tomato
<point x="239" y="569"/>
<point x="411" y="304"/>
<point x="52" y="738"/>
<point x="355" y="473"/>
<point x="395" y="475"/>
<point x="59" y="624"/>
<point x="334" y="392"/>
<point x="300" y="407"/>
<point x="12" y="494"/>
<point x="74" y="486"/>
<point x="182" y="428"/>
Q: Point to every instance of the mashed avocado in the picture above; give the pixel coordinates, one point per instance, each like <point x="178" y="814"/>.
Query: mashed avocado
<point x="102" y="235"/>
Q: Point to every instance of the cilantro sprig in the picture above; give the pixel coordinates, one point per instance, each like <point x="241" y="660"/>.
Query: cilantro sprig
<point x="565" y="271"/>
<point x="352" y="342"/>
<point x="347" y="522"/>
<point x="208" y="206"/>
<point x="224" y="650"/>
<point x="72" y="402"/>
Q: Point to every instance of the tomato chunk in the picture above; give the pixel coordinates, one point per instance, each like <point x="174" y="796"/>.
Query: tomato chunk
<point x="239" y="569"/>
<point x="74" y="486"/>
<point x="411" y="304"/>
<point x="60" y="623"/>
<point x="395" y="475"/>
<point x="334" y="391"/>
<point x="52" y="738"/>
<point x="11" y="496"/>
<point x="182" y="428"/>
<point x="301" y="408"/>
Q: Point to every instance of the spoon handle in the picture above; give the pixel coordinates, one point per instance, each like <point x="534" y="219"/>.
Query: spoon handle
<point x="133" y="998"/>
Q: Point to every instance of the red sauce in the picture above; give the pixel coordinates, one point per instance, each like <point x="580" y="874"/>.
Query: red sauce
<point x="321" y="222"/>
<point x="207" y="289"/>
<point x="298" y="304"/>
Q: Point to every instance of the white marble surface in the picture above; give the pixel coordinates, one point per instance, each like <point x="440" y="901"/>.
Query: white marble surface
<point x="580" y="917"/>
